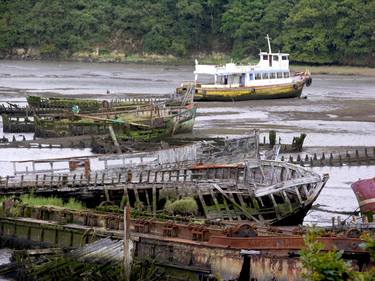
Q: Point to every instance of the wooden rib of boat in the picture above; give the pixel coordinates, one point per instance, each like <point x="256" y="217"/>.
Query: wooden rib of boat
<point x="269" y="79"/>
<point x="262" y="191"/>
<point x="266" y="192"/>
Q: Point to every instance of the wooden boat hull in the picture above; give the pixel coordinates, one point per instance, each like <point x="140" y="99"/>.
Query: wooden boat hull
<point x="180" y="122"/>
<point x="291" y="90"/>
<point x="364" y="190"/>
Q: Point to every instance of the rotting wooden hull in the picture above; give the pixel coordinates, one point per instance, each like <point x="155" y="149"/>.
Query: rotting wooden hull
<point x="291" y="90"/>
<point x="269" y="192"/>
<point x="180" y="122"/>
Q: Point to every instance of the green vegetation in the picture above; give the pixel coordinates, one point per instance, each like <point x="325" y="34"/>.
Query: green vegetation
<point x="32" y="200"/>
<point x="184" y="206"/>
<point x="65" y="268"/>
<point x="319" y="265"/>
<point x="313" y="31"/>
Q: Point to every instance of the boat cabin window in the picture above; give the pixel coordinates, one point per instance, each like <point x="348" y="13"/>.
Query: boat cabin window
<point x="264" y="75"/>
<point x="265" y="57"/>
<point x="286" y="74"/>
<point x="275" y="58"/>
<point x="258" y="76"/>
<point x="272" y="75"/>
<point x="279" y="75"/>
<point x="242" y="79"/>
<point x="284" y="57"/>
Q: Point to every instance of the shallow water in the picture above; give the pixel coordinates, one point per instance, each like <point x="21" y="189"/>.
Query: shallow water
<point x="337" y="196"/>
<point x="5" y="255"/>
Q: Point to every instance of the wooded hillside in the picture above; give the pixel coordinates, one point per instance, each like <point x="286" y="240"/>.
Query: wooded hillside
<point x="313" y="31"/>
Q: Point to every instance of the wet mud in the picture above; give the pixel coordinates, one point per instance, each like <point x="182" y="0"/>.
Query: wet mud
<point x="335" y="112"/>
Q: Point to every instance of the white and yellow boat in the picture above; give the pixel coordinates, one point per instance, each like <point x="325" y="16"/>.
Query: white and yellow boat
<point x="269" y="79"/>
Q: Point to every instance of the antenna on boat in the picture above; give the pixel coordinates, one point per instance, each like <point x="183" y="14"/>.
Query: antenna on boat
<point x="269" y="44"/>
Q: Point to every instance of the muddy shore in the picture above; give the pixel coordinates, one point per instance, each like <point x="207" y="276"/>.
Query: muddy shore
<point x="337" y="114"/>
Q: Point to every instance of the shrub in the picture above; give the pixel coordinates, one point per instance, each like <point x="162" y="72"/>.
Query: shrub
<point x="322" y="266"/>
<point x="154" y="42"/>
<point x="184" y="206"/>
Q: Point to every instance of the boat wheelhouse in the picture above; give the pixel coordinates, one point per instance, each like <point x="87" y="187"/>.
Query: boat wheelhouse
<point x="270" y="78"/>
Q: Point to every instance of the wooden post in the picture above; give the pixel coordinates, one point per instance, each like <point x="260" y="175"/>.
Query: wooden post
<point x="114" y="139"/>
<point x="127" y="254"/>
<point x="154" y="206"/>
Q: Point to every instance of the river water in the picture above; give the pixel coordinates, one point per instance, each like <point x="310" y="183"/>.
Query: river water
<point x="338" y="111"/>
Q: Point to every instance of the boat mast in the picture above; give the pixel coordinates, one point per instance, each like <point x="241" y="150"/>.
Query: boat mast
<point x="269" y="44"/>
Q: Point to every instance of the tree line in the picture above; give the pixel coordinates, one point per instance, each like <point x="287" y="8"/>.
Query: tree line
<point x="313" y="31"/>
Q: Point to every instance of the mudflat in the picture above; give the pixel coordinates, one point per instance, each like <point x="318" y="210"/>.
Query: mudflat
<point x="338" y="112"/>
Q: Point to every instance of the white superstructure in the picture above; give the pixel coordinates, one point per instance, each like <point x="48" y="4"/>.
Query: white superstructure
<point x="272" y="69"/>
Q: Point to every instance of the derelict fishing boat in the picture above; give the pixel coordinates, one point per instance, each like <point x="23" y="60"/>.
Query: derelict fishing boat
<point x="364" y="190"/>
<point x="39" y="104"/>
<point x="148" y="123"/>
<point x="139" y="117"/>
<point x="262" y="191"/>
<point x="269" y="79"/>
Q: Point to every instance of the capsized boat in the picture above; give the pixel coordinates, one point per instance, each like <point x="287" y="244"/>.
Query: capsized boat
<point x="269" y="79"/>
<point x="364" y="190"/>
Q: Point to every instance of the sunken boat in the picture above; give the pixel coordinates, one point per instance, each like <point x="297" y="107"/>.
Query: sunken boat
<point x="148" y="123"/>
<point x="197" y="182"/>
<point x="18" y="119"/>
<point x="262" y="191"/>
<point x="145" y="119"/>
<point x="265" y="191"/>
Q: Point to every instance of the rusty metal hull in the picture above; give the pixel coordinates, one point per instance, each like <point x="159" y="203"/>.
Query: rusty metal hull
<point x="227" y="251"/>
<point x="364" y="190"/>
<point x="226" y="257"/>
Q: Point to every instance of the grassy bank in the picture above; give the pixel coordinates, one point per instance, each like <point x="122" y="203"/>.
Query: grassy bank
<point x="36" y="201"/>
<point x="214" y="58"/>
<point x="104" y="56"/>
<point x="335" y="70"/>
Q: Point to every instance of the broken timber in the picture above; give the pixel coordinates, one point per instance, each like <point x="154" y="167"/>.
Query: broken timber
<point x="263" y="191"/>
<point x="353" y="157"/>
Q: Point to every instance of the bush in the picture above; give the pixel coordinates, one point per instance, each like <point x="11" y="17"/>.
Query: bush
<point x="31" y="200"/>
<point x="322" y="266"/>
<point x="74" y="204"/>
<point x="49" y="50"/>
<point x="154" y="42"/>
<point x="319" y="265"/>
<point x="178" y="49"/>
<point x="184" y="206"/>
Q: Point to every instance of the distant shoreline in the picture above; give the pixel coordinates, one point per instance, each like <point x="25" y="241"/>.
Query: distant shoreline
<point x="335" y="70"/>
<point x="215" y="59"/>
